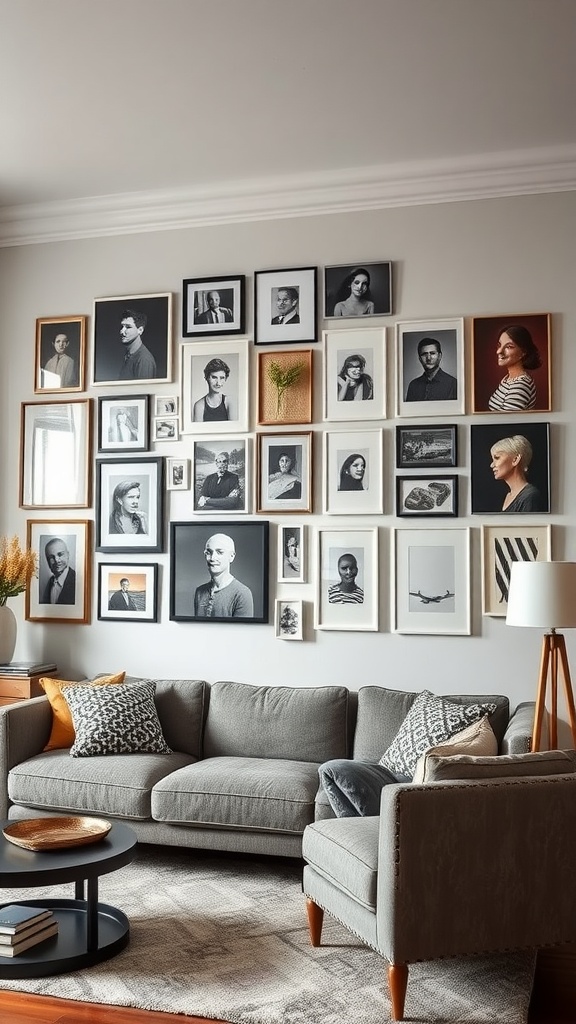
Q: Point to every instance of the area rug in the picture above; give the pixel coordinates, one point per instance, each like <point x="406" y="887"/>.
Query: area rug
<point x="226" y="938"/>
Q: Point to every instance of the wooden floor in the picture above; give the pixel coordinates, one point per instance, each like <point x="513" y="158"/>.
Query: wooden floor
<point x="553" y="1001"/>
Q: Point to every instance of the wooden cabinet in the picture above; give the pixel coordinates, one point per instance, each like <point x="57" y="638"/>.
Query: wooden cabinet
<point x="14" y="688"/>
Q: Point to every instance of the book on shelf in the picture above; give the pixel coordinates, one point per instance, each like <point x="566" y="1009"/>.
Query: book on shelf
<point x="33" y="940"/>
<point x="14" y="938"/>
<point x="26" y="668"/>
<point x="15" y="917"/>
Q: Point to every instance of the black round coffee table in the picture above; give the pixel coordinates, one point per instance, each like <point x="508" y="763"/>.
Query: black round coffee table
<point x="88" y="931"/>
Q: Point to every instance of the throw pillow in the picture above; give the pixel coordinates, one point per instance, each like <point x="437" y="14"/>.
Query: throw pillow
<point x="62" y="734"/>
<point x="354" y="788"/>
<point x="430" y="721"/>
<point x="506" y="766"/>
<point x="478" y="739"/>
<point x="115" y="720"/>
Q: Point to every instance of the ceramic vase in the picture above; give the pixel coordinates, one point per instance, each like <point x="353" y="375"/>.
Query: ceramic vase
<point x="8" y="632"/>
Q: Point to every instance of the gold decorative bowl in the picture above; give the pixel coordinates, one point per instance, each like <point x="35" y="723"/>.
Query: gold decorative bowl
<point x="56" y="833"/>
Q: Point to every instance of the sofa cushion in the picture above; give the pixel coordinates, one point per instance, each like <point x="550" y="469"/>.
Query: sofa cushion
<point x="505" y="766"/>
<point x="115" y="720"/>
<point x="62" y="733"/>
<point x="117" y="785"/>
<point x="244" y="792"/>
<point x="345" y="851"/>
<point x="477" y="740"/>
<point x="180" y="704"/>
<point x="354" y="788"/>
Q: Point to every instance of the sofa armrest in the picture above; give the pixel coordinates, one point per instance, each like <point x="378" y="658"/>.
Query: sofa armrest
<point x="24" y="731"/>
<point x="518" y="736"/>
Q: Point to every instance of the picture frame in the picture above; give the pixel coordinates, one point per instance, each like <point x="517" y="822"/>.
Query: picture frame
<point x="123" y="423"/>
<point x="426" y="446"/>
<point x="288" y="615"/>
<point x="441" y="347"/>
<point x="489" y="488"/>
<point x="60" y="355"/>
<point x="353" y="472"/>
<point x="347" y="580"/>
<point x="166" y="405"/>
<point x="203" y="314"/>
<point x="222" y="475"/>
<point x="132" y="340"/>
<point x="284" y="473"/>
<point x="193" y="588"/>
<point x="285" y="306"/>
<point x="165" y="428"/>
<point x="427" y="496"/>
<point x="501" y="547"/>
<point x="531" y="335"/>
<point x="63" y="548"/>
<point x="128" y="592"/>
<point x="130" y="496"/>
<point x="361" y="393"/>
<point x="289" y="404"/>
<point x="292" y="553"/>
<point x="213" y="370"/>
<point x="431" y="581"/>
<point x="56" y="454"/>
<point x="177" y="474"/>
<point x="358" y="290"/>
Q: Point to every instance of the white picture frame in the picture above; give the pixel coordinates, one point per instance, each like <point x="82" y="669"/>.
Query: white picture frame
<point x="338" y="604"/>
<point x="166" y="405"/>
<point x="177" y="474"/>
<point x="291" y="553"/>
<point x="165" y="428"/>
<point x="431" y="581"/>
<point x="501" y="547"/>
<point x="233" y="493"/>
<point x="196" y="358"/>
<point x="288" y="623"/>
<point x="343" y="349"/>
<point x="353" y="472"/>
<point x="447" y="337"/>
<point x="284" y="473"/>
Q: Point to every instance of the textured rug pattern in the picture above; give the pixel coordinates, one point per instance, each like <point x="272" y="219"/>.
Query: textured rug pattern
<point x="224" y="937"/>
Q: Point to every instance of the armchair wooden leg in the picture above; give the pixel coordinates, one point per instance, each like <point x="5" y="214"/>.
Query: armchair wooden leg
<point x="315" y="919"/>
<point x="397" y="983"/>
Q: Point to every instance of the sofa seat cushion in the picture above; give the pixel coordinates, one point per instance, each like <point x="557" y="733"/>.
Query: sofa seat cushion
<point x="345" y="851"/>
<point x="239" y="792"/>
<point x="118" y="785"/>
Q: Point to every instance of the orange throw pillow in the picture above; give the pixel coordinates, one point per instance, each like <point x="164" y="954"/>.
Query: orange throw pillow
<point x="63" y="734"/>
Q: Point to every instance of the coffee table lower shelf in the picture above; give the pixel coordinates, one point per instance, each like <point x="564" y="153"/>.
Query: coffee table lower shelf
<point x="68" y="950"/>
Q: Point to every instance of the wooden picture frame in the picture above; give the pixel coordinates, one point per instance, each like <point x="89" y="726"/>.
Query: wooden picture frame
<point x="434" y="347"/>
<point x="489" y="488"/>
<point x="61" y="591"/>
<point x="177" y="474"/>
<point x="431" y="581"/>
<point x="214" y="372"/>
<point x="124" y="424"/>
<point x="360" y="290"/>
<point x="285" y="306"/>
<point x="427" y="496"/>
<point x="222" y="475"/>
<point x="130" y="497"/>
<point x="288" y="619"/>
<point x="204" y="314"/>
<point x="132" y="340"/>
<point x="501" y="547"/>
<point x="290" y="404"/>
<point x="292" y="553"/>
<point x="56" y="454"/>
<point x="128" y="592"/>
<point x="60" y="359"/>
<point x="492" y="389"/>
<point x="426" y="446"/>
<point x="355" y="379"/>
<point x="353" y="472"/>
<point x="284" y="473"/>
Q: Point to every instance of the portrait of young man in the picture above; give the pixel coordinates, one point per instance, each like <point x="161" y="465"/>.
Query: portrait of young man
<point x="132" y="339"/>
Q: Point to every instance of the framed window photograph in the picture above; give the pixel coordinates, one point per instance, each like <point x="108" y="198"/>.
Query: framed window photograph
<point x="427" y="446"/>
<point x="292" y="554"/>
<point x="284" y="473"/>
<point x="353" y="472"/>
<point x="214" y="387"/>
<point x="60" y="354"/>
<point x="222" y="478"/>
<point x="433" y="496"/>
<point x="165" y="428"/>
<point x="61" y="591"/>
<point x="132" y="339"/>
<point x="285" y="306"/>
<point x="285" y="387"/>
<point x="213" y="306"/>
<point x="288" y="620"/>
<point x="501" y="547"/>
<point x="56" y="454"/>
<point x="358" y="289"/>
<point x="347" y="588"/>
<point x="128" y="592"/>
<point x="177" y="474"/>
<point x="510" y="468"/>
<point x="431" y="581"/>
<point x="511" y="363"/>
<point x="355" y="374"/>
<point x="165" y="405"/>
<point x="430" y="367"/>
<point x="130" y="505"/>
<point x="219" y="572"/>
<point x="123" y="423"/>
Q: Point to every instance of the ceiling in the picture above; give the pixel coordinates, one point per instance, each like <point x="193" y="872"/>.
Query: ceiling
<point x="107" y="97"/>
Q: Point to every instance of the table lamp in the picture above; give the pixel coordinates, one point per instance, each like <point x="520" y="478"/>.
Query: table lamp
<point x="543" y="594"/>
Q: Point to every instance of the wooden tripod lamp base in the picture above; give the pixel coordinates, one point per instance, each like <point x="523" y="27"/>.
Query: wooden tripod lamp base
<point x="553" y="655"/>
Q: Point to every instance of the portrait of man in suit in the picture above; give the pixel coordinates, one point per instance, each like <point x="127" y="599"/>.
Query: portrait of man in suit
<point x="61" y="586"/>
<point x="121" y="600"/>
<point x="215" y="312"/>
<point x="287" y="300"/>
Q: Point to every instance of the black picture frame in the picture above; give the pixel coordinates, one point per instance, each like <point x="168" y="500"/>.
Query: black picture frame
<point x="141" y="602"/>
<point x="109" y="350"/>
<point x="290" y="295"/>
<point x="487" y="492"/>
<point x="132" y="433"/>
<point x="189" y="573"/>
<point x="197" y="316"/>
<point x="112" y="478"/>
<point x="337" y="288"/>
<point x="433" y="497"/>
<point x="426" y="445"/>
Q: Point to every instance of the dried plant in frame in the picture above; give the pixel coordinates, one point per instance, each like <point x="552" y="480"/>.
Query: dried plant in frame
<point x="285" y="387"/>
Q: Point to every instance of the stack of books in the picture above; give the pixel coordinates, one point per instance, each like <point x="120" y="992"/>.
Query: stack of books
<point x="22" y="927"/>
<point x="26" y="668"/>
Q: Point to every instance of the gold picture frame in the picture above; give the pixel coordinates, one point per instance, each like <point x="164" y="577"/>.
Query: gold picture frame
<point x="284" y="395"/>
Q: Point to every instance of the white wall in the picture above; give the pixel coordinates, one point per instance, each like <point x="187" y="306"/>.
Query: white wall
<point x="459" y="259"/>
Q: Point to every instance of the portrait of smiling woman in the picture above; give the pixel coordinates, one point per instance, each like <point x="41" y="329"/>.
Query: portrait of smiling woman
<point x="511" y="363"/>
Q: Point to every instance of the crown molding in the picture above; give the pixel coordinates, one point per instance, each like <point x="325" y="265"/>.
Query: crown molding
<point x="486" y="176"/>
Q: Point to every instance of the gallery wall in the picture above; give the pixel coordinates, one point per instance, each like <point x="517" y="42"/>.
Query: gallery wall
<point x="466" y="259"/>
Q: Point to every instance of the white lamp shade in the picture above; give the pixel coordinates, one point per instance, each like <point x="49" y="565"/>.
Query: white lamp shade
<point x="542" y="594"/>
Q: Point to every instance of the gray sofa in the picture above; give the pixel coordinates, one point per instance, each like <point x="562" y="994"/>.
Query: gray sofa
<point x="244" y="772"/>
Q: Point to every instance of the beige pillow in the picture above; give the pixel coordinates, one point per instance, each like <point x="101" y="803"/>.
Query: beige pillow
<point x="477" y="739"/>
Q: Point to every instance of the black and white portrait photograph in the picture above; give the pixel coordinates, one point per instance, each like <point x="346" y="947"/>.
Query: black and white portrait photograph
<point x="60" y="354"/>
<point x="284" y="472"/>
<point x="432" y="581"/>
<point x="353" y="472"/>
<point x="288" y="623"/>
<point x="291" y="553"/>
<point x="61" y="592"/>
<point x="219" y="572"/>
<point x="123" y="423"/>
<point x="355" y="374"/>
<point x="433" y="496"/>
<point x="510" y="468"/>
<point x="358" y="290"/>
<point x="214" y="387"/>
<point x="127" y="592"/>
<point x="132" y="339"/>
<point x="129" y="505"/>
<point x="430" y="367"/>
<point x="285" y="306"/>
<point x="347" y="597"/>
<point x="221" y="475"/>
<point x="502" y="546"/>
<point x="213" y="306"/>
<point x="426" y="446"/>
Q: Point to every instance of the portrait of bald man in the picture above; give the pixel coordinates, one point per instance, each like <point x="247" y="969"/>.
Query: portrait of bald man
<point x="223" y="596"/>
<point x="61" y="586"/>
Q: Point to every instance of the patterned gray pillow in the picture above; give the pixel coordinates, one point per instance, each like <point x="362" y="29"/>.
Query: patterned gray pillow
<point x="115" y="720"/>
<point x="431" y="720"/>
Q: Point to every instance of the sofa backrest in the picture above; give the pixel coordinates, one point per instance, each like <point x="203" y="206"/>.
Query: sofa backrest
<point x="294" y="723"/>
<point x="381" y="713"/>
<point x="180" y="704"/>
